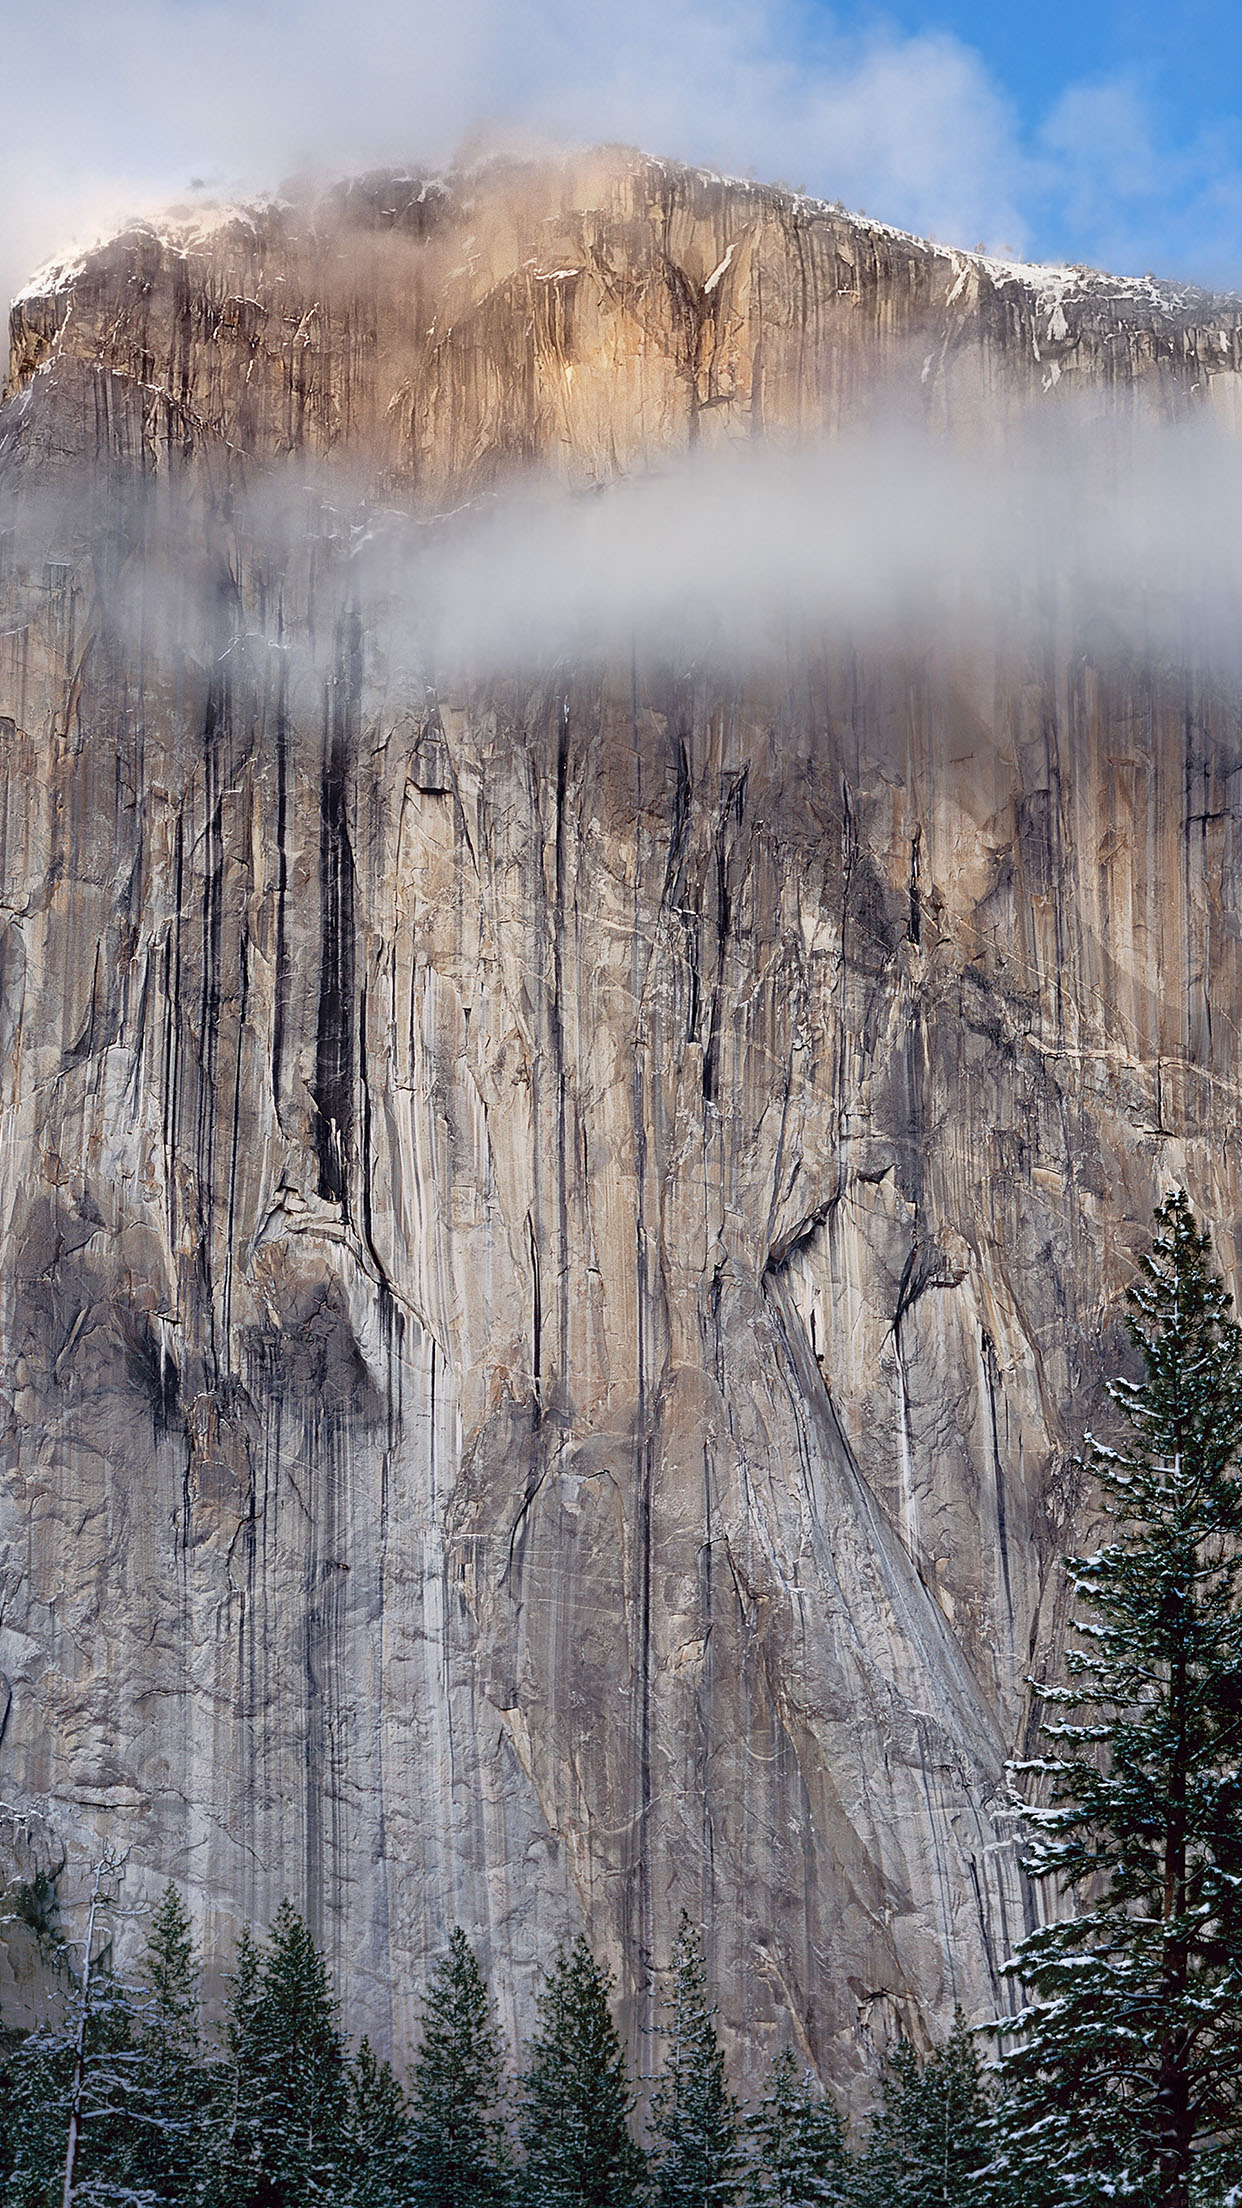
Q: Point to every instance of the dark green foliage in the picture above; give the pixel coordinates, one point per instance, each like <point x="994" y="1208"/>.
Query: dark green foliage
<point x="172" y="2088"/>
<point x="1128" y="2067"/>
<point x="35" y="2087"/>
<point x="459" y="2149"/>
<point x="799" y="2142"/>
<point x="576" y="2098"/>
<point x="694" y="2118"/>
<point x="376" y="2157"/>
<point x="931" y="2139"/>
<point x="171" y="1974"/>
<point x="287" y="2131"/>
<point x="79" y="2109"/>
<point x="36" y="1904"/>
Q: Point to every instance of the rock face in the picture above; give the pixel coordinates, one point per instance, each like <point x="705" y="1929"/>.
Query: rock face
<point x="559" y="1235"/>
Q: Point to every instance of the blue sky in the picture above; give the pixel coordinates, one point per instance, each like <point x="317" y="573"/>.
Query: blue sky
<point x="1187" y="55"/>
<point x="1125" y="138"/>
<point x="1107" y="132"/>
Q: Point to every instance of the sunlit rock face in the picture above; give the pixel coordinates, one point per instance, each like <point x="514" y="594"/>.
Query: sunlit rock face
<point x="560" y="1232"/>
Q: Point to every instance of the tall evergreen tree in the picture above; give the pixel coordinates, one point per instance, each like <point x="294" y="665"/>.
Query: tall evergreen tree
<point x="34" y="2100"/>
<point x="931" y="2143"/>
<point x="171" y="2085"/>
<point x="695" y="2122"/>
<point x="576" y="2100"/>
<point x="800" y="2159"/>
<point x="459" y="2143"/>
<point x="287" y="2133"/>
<point x="375" y="2169"/>
<point x="1127" y="2070"/>
<point x="79" y="2115"/>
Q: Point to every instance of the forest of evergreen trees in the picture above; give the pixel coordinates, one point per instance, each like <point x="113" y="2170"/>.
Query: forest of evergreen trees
<point x="128" y="2100"/>
<point x="1119" y="2078"/>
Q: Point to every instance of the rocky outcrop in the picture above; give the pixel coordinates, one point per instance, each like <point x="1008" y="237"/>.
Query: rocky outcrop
<point x="560" y="1232"/>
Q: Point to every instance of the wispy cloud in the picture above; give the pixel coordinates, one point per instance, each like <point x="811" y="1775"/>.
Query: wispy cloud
<point x="1110" y="534"/>
<point x="120" y="108"/>
<point x="1104" y="171"/>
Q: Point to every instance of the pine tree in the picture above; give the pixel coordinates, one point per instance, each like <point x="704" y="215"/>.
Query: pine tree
<point x="172" y="2089"/>
<point x="34" y="2094"/>
<point x="800" y="2159"/>
<point x="376" y="2157"/>
<point x="1127" y="2072"/>
<point x="78" y="2115"/>
<point x="459" y="2148"/>
<point x="931" y="2140"/>
<point x="576" y="2099"/>
<point x="171" y="1973"/>
<point x="694" y="2118"/>
<point x="287" y="2132"/>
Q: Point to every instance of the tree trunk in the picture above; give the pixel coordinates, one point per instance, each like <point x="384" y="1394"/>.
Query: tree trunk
<point x="1176" y="2129"/>
<point x="79" y="2045"/>
<point x="1173" y="2101"/>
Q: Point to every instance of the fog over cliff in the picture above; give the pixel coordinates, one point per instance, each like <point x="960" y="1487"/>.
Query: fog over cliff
<point x="1127" y="535"/>
<point x="618" y="892"/>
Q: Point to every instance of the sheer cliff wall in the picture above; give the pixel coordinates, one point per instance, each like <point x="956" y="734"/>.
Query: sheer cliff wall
<point x="559" y="1235"/>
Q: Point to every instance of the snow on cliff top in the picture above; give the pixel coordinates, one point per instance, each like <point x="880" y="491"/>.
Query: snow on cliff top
<point x="176" y="228"/>
<point x="179" y="229"/>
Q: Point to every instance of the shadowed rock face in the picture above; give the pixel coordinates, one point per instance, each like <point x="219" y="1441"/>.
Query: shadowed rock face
<point x="559" y="1234"/>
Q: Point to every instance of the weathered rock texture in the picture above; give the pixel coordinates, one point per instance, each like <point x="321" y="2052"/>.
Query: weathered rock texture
<point x="558" y="1237"/>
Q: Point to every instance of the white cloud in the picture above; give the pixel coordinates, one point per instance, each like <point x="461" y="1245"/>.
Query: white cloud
<point x="1116" y="535"/>
<point x="121" y="106"/>
<point x="140" y="97"/>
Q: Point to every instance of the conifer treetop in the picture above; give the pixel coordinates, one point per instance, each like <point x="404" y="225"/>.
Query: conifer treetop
<point x="576" y="2097"/>
<point x="459" y="2101"/>
<point x="1127" y="2063"/>
<point x="695" y="2120"/>
<point x="799" y="2138"/>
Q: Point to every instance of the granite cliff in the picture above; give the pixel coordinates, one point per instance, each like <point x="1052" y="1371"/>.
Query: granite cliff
<point x="559" y="1232"/>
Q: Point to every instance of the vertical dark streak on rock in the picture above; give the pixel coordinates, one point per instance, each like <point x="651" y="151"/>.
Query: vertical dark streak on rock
<point x="1196" y="813"/>
<point x="637" y="1908"/>
<point x="705" y="1692"/>
<point x="992" y="1372"/>
<point x="172" y="1034"/>
<point x="557" y="1026"/>
<point x="683" y="796"/>
<point x="333" y="1088"/>
<point x="998" y="1984"/>
<point x="366" y="1163"/>
<point x="536" y="1312"/>
<point x="731" y="810"/>
<point x="1057" y="856"/>
<point x="914" y="892"/>
<point x="219" y="703"/>
<point x="281" y="957"/>
<point x="243" y="988"/>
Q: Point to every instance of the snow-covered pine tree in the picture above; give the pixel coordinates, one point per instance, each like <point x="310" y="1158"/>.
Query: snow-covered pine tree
<point x="459" y="2134"/>
<point x="78" y="2114"/>
<point x="1127" y="2069"/>
<point x="800" y="2160"/>
<point x="695" y="2122"/>
<point x="287" y="2131"/>
<point x="34" y="2118"/>
<point x="171" y="2101"/>
<point x="931" y="2137"/>
<point x="237" y="2168"/>
<point x="376" y="2159"/>
<point x="576" y="2099"/>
